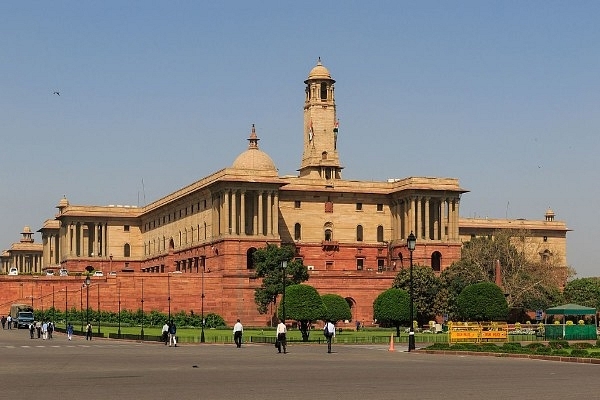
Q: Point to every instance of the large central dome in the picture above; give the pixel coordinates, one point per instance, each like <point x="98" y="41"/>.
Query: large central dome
<point x="254" y="158"/>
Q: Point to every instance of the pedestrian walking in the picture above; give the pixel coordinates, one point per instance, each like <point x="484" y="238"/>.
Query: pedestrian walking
<point x="329" y="332"/>
<point x="238" y="330"/>
<point x="88" y="332"/>
<point x="69" y="331"/>
<point x="172" y="334"/>
<point x="3" y="320"/>
<point x="165" y="333"/>
<point x="9" y="320"/>
<point x="31" y="329"/>
<point x="281" y="340"/>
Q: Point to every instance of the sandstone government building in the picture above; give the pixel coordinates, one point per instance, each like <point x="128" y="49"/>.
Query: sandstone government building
<point x="192" y="249"/>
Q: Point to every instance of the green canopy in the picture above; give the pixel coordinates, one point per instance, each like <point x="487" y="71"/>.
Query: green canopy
<point x="571" y="309"/>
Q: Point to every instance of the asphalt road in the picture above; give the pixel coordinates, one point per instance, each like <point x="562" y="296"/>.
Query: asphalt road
<point x="111" y="369"/>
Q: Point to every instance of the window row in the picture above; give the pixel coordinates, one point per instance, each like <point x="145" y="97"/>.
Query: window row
<point x="328" y="233"/>
<point x="175" y="215"/>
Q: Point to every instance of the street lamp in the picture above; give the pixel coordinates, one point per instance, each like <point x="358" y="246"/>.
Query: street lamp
<point x="169" y="293"/>
<point x="142" y="332"/>
<point x="283" y="268"/>
<point x="411" y="243"/>
<point x="202" y="308"/>
<point x="87" y="302"/>
<point x="66" y="307"/>
<point x="119" y="331"/>
<point x="98" y="286"/>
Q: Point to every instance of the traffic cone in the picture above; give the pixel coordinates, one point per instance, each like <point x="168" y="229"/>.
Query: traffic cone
<point x="391" y="343"/>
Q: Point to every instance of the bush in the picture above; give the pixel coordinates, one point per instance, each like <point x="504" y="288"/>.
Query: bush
<point x="543" y="350"/>
<point x="561" y="352"/>
<point x="439" y="346"/>
<point x="534" y="346"/>
<point x="582" y="345"/>
<point x="464" y="347"/>
<point x="558" y="344"/>
<point x="579" y="353"/>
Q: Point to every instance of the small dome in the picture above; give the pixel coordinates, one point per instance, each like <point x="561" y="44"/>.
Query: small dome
<point x="63" y="202"/>
<point x="319" y="72"/>
<point x="26" y="229"/>
<point x="253" y="158"/>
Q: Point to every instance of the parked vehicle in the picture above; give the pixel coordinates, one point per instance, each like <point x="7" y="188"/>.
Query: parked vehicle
<point x="98" y="273"/>
<point x="13" y="271"/>
<point x="63" y="272"/>
<point x="22" y="315"/>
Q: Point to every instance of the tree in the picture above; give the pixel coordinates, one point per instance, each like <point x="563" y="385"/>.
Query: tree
<point x="583" y="291"/>
<point x="392" y="307"/>
<point x="303" y="304"/>
<point x="452" y="281"/>
<point x="524" y="278"/>
<point x="483" y="301"/>
<point x="425" y="290"/>
<point x="267" y="263"/>
<point x="337" y="308"/>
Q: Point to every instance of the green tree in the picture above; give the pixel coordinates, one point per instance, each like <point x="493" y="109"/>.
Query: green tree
<point x="483" y="301"/>
<point x="392" y="307"/>
<point x="337" y="308"/>
<point x="425" y="289"/>
<point x="525" y="279"/>
<point x="267" y="264"/>
<point x="303" y="304"/>
<point x="583" y="291"/>
<point x="452" y="281"/>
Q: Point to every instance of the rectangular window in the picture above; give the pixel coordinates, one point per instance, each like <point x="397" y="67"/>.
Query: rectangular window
<point x="297" y="204"/>
<point x="358" y="206"/>
<point x="126" y="228"/>
<point x="328" y="265"/>
<point x="380" y="264"/>
<point x="380" y="207"/>
<point x="360" y="264"/>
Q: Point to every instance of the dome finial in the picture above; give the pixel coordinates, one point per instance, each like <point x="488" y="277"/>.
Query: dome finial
<point x="253" y="139"/>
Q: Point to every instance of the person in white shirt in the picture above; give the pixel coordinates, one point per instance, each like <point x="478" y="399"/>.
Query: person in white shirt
<point x="281" y="337"/>
<point x="165" y="333"/>
<point x="329" y="332"/>
<point x="238" y="330"/>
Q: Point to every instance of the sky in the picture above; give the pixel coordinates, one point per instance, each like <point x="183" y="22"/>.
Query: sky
<point x="503" y="95"/>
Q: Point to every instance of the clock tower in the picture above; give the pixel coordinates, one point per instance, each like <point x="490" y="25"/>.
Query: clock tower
<point x="320" y="159"/>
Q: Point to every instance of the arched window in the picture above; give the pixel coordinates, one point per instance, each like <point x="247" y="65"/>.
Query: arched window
<point x="323" y="91"/>
<point x="380" y="233"/>
<point x="359" y="233"/>
<point x="328" y="235"/>
<point x="297" y="231"/>
<point x="436" y="261"/>
<point x="250" y="258"/>
<point x="126" y="250"/>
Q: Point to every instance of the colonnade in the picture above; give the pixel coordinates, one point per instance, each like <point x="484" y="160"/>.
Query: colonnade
<point x="428" y="217"/>
<point x="74" y="241"/>
<point x="246" y="212"/>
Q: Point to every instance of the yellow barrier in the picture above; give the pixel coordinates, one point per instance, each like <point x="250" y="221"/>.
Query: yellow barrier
<point x="474" y="332"/>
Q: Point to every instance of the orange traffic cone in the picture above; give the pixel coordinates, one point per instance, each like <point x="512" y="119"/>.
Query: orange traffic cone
<point x="391" y="343"/>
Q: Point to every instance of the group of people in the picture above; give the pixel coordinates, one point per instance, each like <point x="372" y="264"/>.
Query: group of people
<point x="169" y="334"/>
<point x="281" y="335"/>
<point x="43" y="329"/>
<point x="6" y="320"/>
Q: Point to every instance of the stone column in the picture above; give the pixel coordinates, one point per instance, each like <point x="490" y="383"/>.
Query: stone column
<point x="234" y="213"/>
<point x="276" y="214"/>
<point x="269" y="214"/>
<point x="260" y="214"/>
<point x="243" y="212"/>
<point x="427" y="237"/>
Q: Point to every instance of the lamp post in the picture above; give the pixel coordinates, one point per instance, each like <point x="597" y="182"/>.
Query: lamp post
<point x="53" y="309"/>
<point x="169" y="293"/>
<point x="87" y="302"/>
<point x="411" y="243"/>
<point x="202" y="308"/>
<point x="66" y="308"/>
<point x="81" y="304"/>
<point x="110" y="263"/>
<point x="119" y="331"/>
<point x="142" y="332"/>
<point x="283" y="268"/>
<point x="98" y="286"/>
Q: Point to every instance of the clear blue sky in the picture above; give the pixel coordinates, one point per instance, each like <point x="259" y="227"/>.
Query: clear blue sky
<point x="504" y="96"/>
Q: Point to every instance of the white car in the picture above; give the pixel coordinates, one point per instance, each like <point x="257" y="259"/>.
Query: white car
<point x="13" y="271"/>
<point x="98" y="273"/>
<point x="63" y="272"/>
<point x="49" y="272"/>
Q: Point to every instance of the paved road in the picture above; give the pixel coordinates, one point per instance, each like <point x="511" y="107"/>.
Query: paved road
<point x="109" y="369"/>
